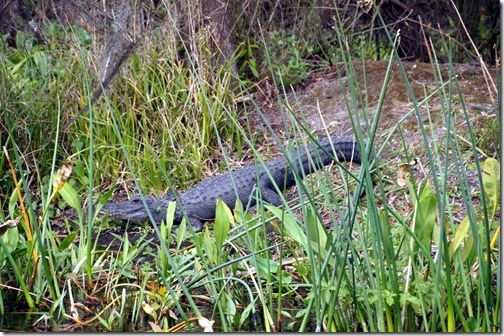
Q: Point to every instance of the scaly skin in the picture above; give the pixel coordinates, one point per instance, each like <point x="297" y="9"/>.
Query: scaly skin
<point x="199" y="202"/>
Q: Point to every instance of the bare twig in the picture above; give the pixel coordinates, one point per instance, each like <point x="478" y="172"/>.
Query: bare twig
<point x="103" y="85"/>
<point x="486" y="74"/>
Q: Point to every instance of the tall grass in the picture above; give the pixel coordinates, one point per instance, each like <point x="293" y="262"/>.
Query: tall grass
<point x="351" y="263"/>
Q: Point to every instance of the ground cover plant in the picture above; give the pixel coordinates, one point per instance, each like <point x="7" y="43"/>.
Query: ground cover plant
<point x="407" y="241"/>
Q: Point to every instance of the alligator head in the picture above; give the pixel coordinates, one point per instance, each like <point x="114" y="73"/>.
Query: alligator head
<point x="134" y="209"/>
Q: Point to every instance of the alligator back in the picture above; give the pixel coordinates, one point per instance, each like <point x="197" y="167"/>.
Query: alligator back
<point x="199" y="202"/>
<point x="307" y="160"/>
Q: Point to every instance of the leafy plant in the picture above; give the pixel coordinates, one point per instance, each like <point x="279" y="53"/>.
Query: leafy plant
<point x="287" y="55"/>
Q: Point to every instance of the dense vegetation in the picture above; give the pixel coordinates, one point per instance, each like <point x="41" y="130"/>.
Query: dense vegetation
<point x="175" y="113"/>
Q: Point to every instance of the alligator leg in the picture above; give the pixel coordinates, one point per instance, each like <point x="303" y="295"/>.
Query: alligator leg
<point x="196" y="224"/>
<point x="270" y="196"/>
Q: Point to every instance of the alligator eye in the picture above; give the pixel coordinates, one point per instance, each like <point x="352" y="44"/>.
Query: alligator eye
<point x="135" y="200"/>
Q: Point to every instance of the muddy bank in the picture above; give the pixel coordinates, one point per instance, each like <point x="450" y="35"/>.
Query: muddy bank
<point x="325" y="100"/>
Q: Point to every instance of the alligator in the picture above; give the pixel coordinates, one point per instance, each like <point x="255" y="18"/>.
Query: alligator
<point x="199" y="201"/>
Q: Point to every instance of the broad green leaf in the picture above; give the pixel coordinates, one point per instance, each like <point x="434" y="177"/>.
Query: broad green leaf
<point x="230" y="305"/>
<point x="67" y="241"/>
<point x="436" y="236"/>
<point x="472" y="322"/>
<point x="469" y="250"/>
<point x="407" y="297"/>
<point x="253" y="67"/>
<point x="223" y="218"/>
<point x="290" y="225"/>
<point x="181" y="231"/>
<point x="317" y="233"/>
<point x="491" y="181"/>
<point x="72" y="198"/>
<point x="126" y="245"/>
<point x="12" y="237"/>
<point x="29" y="247"/>
<point x="238" y="211"/>
<point x="286" y="314"/>
<point x="16" y="67"/>
<point x="209" y="246"/>
<point x="301" y="313"/>
<point x="170" y="216"/>
<point x="426" y="217"/>
<point x="460" y="234"/>
<point x="41" y="61"/>
<point x="103" y="200"/>
<point x="13" y="201"/>
<point x="246" y="312"/>
<point x="166" y="236"/>
<point x="301" y="269"/>
<point x="266" y="267"/>
<point x="104" y="322"/>
<point x="385" y="226"/>
<point x="286" y="278"/>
